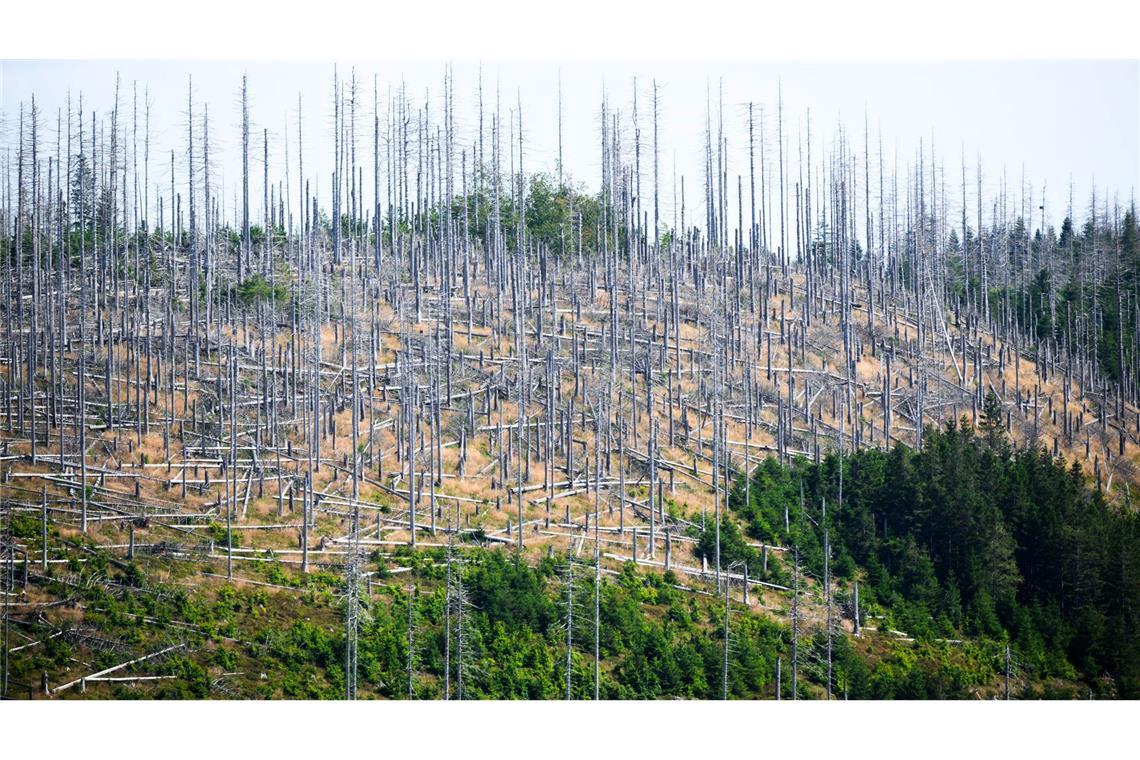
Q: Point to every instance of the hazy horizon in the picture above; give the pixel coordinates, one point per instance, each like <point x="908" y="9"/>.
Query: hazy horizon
<point x="1060" y="121"/>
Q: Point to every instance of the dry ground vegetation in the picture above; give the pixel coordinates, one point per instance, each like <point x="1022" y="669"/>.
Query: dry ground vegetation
<point x="309" y="409"/>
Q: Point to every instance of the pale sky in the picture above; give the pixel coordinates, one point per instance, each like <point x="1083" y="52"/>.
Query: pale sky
<point x="1056" y="120"/>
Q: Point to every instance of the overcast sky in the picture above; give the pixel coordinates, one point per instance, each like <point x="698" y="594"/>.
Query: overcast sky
<point x="1059" y="121"/>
